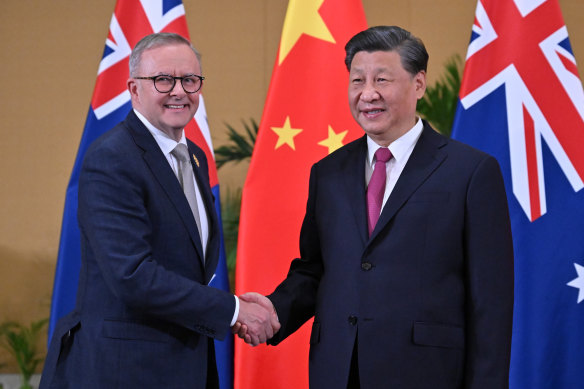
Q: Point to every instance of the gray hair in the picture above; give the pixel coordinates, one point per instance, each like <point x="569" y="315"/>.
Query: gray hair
<point x="411" y="49"/>
<point x="153" y="41"/>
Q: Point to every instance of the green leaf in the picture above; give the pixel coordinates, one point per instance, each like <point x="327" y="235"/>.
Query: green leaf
<point x="438" y="106"/>
<point x="230" y="209"/>
<point x="240" y="145"/>
<point x="21" y="343"/>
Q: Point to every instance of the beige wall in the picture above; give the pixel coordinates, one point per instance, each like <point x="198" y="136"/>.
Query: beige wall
<point x="50" y="54"/>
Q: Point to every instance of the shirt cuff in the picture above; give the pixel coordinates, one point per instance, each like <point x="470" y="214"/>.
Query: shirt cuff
<point x="236" y="313"/>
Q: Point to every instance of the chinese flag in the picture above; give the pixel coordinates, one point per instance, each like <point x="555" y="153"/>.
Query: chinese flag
<point x="306" y="117"/>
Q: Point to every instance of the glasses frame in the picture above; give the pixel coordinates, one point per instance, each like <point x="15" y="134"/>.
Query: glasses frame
<point x="174" y="78"/>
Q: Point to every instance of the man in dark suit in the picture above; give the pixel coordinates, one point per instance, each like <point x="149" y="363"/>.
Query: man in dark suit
<point x="145" y="316"/>
<point x="412" y="286"/>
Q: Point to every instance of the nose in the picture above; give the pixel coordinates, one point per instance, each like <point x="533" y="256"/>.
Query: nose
<point x="177" y="90"/>
<point x="369" y="93"/>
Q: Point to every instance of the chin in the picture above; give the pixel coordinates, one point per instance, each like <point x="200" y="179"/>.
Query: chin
<point x="180" y="121"/>
<point x="374" y="131"/>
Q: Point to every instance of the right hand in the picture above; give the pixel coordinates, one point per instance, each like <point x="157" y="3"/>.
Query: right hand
<point x="257" y="320"/>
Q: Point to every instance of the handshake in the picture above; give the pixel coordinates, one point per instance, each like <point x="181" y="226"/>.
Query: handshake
<point x="257" y="320"/>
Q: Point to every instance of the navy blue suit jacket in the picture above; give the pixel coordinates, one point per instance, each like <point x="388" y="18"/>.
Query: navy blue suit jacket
<point x="429" y="296"/>
<point x="145" y="316"/>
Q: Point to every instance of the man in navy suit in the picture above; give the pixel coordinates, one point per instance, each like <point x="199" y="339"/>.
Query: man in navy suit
<point x="423" y="296"/>
<point x="145" y="316"/>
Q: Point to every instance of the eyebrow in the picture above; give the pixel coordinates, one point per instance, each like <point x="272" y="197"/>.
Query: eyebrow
<point x="170" y="75"/>
<point x="377" y="70"/>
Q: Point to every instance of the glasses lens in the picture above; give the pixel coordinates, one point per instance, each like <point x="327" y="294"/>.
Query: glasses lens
<point x="191" y="84"/>
<point x="164" y="84"/>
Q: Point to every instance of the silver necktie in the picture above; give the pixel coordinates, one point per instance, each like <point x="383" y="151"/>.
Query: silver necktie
<point x="186" y="179"/>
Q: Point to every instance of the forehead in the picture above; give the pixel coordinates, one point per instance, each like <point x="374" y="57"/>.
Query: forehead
<point x="176" y="58"/>
<point x="376" y="60"/>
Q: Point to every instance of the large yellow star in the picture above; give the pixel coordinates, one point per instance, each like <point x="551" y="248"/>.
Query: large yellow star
<point x="334" y="140"/>
<point x="286" y="134"/>
<point x="302" y="17"/>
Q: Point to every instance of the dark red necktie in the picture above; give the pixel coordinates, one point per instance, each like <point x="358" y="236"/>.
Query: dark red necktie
<point x="376" y="187"/>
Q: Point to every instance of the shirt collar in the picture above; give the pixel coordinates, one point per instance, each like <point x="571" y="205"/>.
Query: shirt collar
<point x="166" y="143"/>
<point x="399" y="147"/>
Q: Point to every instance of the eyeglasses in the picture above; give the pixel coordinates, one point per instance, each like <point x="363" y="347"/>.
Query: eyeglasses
<point x="164" y="83"/>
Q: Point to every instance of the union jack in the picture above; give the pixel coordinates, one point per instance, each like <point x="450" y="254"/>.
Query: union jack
<point x="524" y="45"/>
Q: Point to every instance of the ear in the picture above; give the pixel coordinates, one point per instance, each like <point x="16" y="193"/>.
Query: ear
<point x="420" y="84"/>
<point x="132" y="88"/>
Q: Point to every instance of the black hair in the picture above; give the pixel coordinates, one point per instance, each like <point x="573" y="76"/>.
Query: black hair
<point x="411" y="49"/>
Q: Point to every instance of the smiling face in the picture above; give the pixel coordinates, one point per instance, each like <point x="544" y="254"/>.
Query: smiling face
<point x="383" y="95"/>
<point x="169" y="112"/>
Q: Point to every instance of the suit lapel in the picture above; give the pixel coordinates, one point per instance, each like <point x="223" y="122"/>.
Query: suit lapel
<point x="353" y="173"/>
<point x="425" y="159"/>
<point x="200" y="168"/>
<point x="162" y="171"/>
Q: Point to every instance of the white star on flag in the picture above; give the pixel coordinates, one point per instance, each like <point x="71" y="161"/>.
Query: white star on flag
<point x="578" y="282"/>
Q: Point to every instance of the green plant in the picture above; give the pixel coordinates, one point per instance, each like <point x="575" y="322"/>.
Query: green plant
<point x="438" y="105"/>
<point x="22" y="343"/>
<point x="230" y="208"/>
<point x="239" y="148"/>
<point x="241" y="145"/>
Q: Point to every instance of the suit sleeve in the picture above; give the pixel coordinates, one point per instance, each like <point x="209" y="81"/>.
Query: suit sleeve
<point x="115" y="222"/>
<point x="489" y="279"/>
<point x="295" y="298"/>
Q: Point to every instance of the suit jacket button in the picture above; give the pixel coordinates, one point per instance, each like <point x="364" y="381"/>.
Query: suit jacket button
<point x="366" y="266"/>
<point x="353" y="320"/>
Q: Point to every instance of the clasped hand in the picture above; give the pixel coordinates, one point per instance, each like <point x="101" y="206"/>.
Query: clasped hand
<point x="257" y="320"/>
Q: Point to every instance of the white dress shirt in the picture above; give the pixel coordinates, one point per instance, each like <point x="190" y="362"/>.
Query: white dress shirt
<point x="401" y="149"/>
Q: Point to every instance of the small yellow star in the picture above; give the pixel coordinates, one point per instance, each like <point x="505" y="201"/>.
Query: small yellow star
<point x="286" y="134"/>
<point x="302" y="17"/>
<point x="334" y="140"/>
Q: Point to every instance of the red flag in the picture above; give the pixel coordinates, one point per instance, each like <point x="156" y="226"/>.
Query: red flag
<point x="306" y="117"/>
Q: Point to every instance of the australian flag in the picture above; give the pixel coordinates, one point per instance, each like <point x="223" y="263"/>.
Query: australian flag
<point x="131" y="21"/>
<point x="522" y="101"/>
